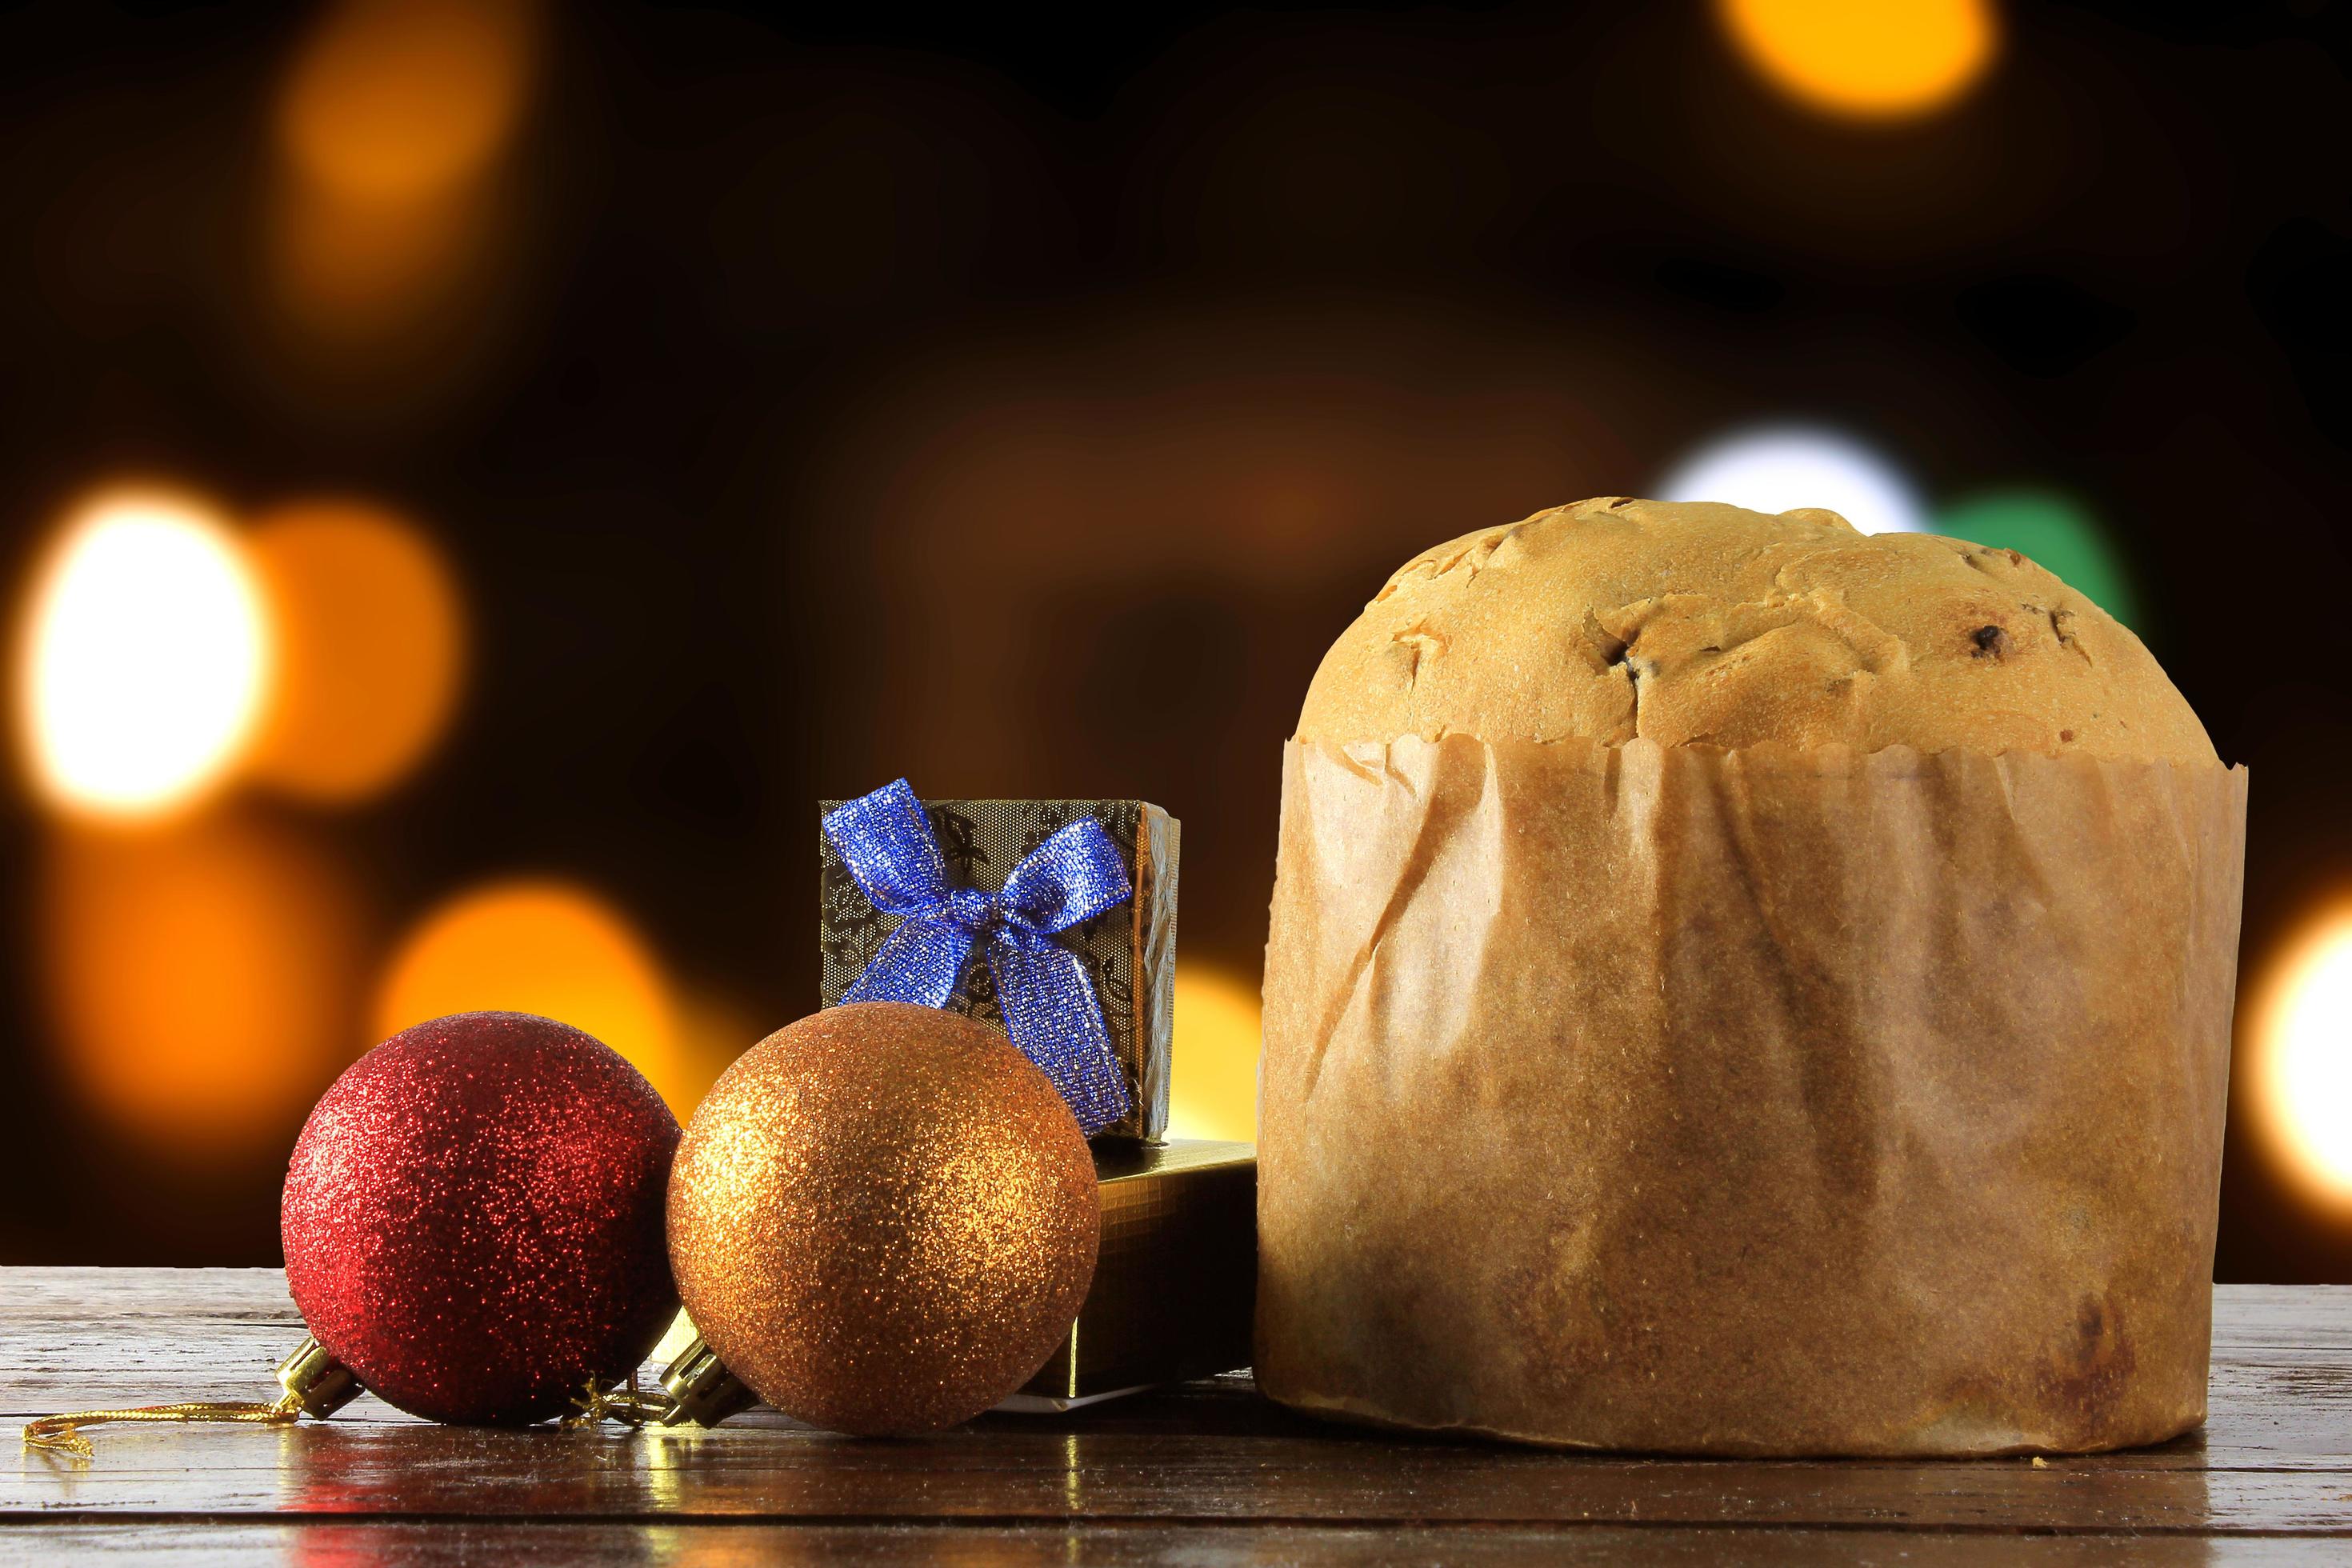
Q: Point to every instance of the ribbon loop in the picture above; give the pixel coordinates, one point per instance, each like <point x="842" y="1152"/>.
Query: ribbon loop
<point x="886" y="841"/>
<point x="1049" y="1006"/>
<point x="1068" y="880"/>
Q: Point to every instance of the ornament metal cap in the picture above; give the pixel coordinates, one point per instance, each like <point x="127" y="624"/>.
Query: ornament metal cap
<point x="702" y="1389"/>
<point x="316" y="1382"/>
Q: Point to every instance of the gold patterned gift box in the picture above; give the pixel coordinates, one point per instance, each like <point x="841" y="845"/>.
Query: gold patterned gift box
<point x="1127" y="951"/>
<point x="1176" y="1281"/>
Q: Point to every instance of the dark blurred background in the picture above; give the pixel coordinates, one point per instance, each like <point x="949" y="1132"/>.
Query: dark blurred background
<point x="474" y="474"/>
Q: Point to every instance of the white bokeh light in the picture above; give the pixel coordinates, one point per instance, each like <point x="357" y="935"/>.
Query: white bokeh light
<point x="143" y="655"/>
<point x="1782" y="468"/>
<point x="2303" y="1060"/>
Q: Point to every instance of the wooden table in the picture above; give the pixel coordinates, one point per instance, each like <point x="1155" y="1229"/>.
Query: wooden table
<point x="1206" y="1473"/>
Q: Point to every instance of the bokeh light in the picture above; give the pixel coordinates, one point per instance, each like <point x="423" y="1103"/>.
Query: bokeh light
<point x="371" y="639"/>
<point x="1213" y="1089"/>
<point x="398" y="101"/>
<point x="394" y="117"/>
<point x="1783" y="468"/>
<point x="2302" y="1067"/>
<point x="143" y="657"/>
<point x="546" y="947"/>
<point x="1866" y="60"/>
<point x="2057" y="533"/>
<point x="201" y="977"/>
<point x="356" y="272"/>
<point x="712" y="1030"/>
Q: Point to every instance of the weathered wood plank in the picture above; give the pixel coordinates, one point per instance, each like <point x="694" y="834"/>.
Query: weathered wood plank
<point x="423" y="1471"/>
<point x="88" y="1295"/>
<point x="384" y="1545"/>
<point x="2302" y="1319"/>
<point x="98" y="1336"/>
<point x="2264" y="1417"/>
<point x="2277" y="1456"/>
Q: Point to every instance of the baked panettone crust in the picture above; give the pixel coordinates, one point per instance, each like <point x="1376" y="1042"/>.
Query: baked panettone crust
<point x="1697" y="624"/>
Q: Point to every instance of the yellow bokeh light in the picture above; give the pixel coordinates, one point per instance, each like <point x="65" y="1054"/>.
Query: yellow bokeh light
<point x="371" y="640"/>
<point x="1213" y="1088"/>
<point x="1871" y="59"/>
<point x="143" y="657"/>
<point x="2302" y="1067"/>
<point x="545" y="947"/>
<point x="201" y="977"/>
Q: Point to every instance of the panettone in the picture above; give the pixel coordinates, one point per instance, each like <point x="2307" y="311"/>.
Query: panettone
<point x="1738" y="986"/>
<point x="1689" y="622"/>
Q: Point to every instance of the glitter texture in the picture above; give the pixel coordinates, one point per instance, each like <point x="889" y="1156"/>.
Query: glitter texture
<point x="473" y="1218"/>
<point x="883" y="1218"/>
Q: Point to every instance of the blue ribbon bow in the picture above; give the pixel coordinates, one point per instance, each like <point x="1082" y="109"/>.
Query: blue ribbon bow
<point x="1049" y="1006"/>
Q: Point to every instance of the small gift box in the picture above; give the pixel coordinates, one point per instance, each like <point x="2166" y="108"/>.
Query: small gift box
<point x="1052" y="919"/>
<point x="1176" y="1281"/>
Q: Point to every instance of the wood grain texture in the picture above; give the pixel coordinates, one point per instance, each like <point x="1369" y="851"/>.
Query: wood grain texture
<point x="474" y="1542"/>
<point x="1207" y="1471"/>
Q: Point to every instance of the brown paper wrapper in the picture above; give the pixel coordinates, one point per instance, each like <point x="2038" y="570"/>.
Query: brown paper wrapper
<point x="1761" y="1103"/>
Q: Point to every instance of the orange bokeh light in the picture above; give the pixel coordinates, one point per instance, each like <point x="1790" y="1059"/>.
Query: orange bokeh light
<point x="200" y="976"/>
<point x="1866" y="60"/>
<point x="545" y="947"/>
<point x="395" y="118"/>
<point x="354" y="269"/>
<point x="712" y="1031"/>
<point x="1213" y="1088"/>
<point x="371" y="639"/>
<point x="398" y="102"/>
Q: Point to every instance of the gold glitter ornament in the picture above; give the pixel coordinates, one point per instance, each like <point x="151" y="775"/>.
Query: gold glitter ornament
<point x="883" y="1219"/>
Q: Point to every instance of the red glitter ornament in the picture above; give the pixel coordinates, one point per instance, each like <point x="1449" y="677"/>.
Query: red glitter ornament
<point x="473" y="1218"/>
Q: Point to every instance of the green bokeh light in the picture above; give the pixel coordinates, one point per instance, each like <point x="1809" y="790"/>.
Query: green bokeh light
<point x="2055" y="532"/>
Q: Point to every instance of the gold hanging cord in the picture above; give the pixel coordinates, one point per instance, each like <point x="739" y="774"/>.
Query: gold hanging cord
<point x="62" y="1433"/>
<point x="317" y="1384"/>
<point x="314" y="1384"/>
